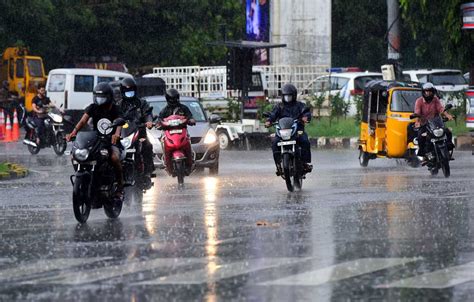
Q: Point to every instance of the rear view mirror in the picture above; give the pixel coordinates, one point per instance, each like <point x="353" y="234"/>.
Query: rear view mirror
<point x="214" y="119"/>
<point x="448" y="107"/>
<point x="414" y="115"/>
<point x="119" y="122"/>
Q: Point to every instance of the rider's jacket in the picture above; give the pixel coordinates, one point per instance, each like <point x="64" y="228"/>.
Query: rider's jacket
<point x="292" y="109"/>
<point x="142" y="114"/>
<point x="179" y="109"/>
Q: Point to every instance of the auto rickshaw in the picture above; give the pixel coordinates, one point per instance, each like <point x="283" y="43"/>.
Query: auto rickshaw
<point x="386" y="129"/>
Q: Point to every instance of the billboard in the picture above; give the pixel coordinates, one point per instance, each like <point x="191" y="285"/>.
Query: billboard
<point x="257" y="26"/>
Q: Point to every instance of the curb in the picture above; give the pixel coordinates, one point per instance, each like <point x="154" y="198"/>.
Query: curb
<point x="15" y="171"/>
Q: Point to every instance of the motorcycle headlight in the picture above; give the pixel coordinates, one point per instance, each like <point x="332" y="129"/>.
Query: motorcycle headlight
<point x="285" y="134"/>
<point x="127" y="141"/>
<point x="81" y="154"/>
<point x="56" y="117"/>
<point x="211" y="137"/>
<point x="438" y="132"/>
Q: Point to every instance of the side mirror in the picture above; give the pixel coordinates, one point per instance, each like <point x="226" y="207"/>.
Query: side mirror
<point x="414" y="115"/>
<point x="214" y="119"/>
<point x="119" y="122"/>
<point x="448" y="107"/>
<point x="150" y="109"/>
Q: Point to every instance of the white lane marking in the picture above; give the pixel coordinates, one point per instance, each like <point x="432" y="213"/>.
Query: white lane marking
<point x="218" y="271"/>
<point x="443" y="278"/>
<point x="104" y="273"/>
<point x="42" y="266"/>
<point x="340" y="271"/>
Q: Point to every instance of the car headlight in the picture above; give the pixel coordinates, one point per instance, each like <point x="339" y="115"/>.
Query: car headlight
<point x="285" y="134"/>
<point x="127" y="141"/>
<point x="438" y="132"/>
<point x="211" y="137"/>
<point x="81" y="154"/>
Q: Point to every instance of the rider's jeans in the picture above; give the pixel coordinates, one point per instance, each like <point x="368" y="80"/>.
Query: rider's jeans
<point x="302" y="140"/>
<point x="39" y="122"/>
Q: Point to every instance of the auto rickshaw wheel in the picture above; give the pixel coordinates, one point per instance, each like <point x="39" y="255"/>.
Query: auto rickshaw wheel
<point x="364" y="158"/>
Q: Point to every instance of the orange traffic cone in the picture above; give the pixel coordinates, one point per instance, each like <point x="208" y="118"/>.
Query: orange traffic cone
<point x="8" y="131"/>
<point x="16" y="127"/>
<point x="2" y="125"/>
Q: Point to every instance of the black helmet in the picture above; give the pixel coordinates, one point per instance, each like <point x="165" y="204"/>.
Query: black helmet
<point x="288" y="93"/>
<point x="128" y="88"/>
<point x="103" y="94"/>
<point x="172" y="97"/>
<point x="428" y="87"/>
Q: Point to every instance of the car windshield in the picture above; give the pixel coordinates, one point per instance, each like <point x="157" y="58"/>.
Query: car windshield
<point x="447" y="78"/>
<point x="404" y="100"/>
<point x="194" y="106"/>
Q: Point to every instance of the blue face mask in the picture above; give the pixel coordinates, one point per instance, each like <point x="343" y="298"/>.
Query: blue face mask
<point x="129" y="94"/>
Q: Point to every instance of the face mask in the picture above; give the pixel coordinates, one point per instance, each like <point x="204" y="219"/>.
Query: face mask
<point x="287" y="98"/>
<point x="129" y="94"/>
<point x="100" y="100"/>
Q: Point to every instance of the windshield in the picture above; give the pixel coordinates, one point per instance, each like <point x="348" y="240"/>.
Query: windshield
<point x="194" y="106"/>
<point x="445" y="78"/>
<point x="404" y="100"/>
<point x="35" y="68"/>
<point x="436" y="122"/>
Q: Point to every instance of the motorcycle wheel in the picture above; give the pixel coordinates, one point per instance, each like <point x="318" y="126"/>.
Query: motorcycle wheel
<point x="445" y="167"/>
<point x="363" y="159"/>
<point x="60" y="144"/>
<point x="80" y="202"/>
<point x="31" y="149"/>
<point x="287" y="171"/>
<point x="180" y="172"/>
<point x="112" y="209"/>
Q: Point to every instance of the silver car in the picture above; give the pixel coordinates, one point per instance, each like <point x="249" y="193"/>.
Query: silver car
<point x="203" y="137"/>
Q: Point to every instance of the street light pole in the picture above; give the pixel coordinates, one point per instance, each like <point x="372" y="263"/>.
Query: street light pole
<point x="393" y="35"/>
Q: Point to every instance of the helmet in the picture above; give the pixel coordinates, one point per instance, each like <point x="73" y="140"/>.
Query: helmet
<point x="172" y="97"/>
<point x="428" y="87"/>
<point x="128" y="88"/>
<point x="288" y="93"/>
<point x="103" y="94"/>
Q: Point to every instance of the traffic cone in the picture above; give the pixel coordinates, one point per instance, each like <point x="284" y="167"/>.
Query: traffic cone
<point x="8" y="131"/>
<point x="2" y="125"/>
<point x="16" y="127"/>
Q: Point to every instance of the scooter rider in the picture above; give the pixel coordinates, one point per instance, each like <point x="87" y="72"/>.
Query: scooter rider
<point x="142" y="114"/>
<point x="174" y="107"/>
<point x="427" y="107"/>
<point x="104" y="108"/>
<point x="39" y="104"/>
<point x="290" y="107"/>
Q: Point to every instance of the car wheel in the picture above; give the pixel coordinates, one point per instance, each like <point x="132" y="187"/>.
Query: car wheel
<point x="224" y="140"/>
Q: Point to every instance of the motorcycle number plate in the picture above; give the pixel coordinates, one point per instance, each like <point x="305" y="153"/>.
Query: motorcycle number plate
<point x="130" y="150"/>
<point x="286" y="143"/>
<point x="174" y="131"/>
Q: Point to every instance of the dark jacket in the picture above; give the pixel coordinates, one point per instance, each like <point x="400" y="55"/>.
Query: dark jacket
<point x="176" y="110"/>
<point x="292" y="110"/>
<point x="142" y="112"/>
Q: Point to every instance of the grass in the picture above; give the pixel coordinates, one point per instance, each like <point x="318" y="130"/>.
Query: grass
<point x="3" y="167"/>
<point x="348" y="127"/>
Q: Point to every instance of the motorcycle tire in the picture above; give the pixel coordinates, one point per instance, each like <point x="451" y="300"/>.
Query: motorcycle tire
<point x="60" y="144"/>
<point x="31" y="149"/>
<point x="180" y="172"/>
<point x="363" y="159"/>
<point x="445" y="167"/>
<point x="80" y="200"/>
<point x="287" y="171"/>
<point x="112" y="209"/>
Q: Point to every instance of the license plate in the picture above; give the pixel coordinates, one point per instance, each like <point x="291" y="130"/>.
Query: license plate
<point x="130" y="150"/>
<point x="174" y="131"/>
<point x="286" y="143"/>
<point x="88" y="163"/>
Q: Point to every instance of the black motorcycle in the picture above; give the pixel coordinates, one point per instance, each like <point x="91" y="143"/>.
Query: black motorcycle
<point x="53" y="136"/>
<point x="437" y="152"/>
<point x="293" y="167"/>
<point x="94" y="182"/>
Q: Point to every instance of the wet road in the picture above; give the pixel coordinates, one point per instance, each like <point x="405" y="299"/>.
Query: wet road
<point x="388" y="232"/>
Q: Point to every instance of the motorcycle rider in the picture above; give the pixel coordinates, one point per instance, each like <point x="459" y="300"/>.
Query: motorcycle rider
<point x="427" y="107"/>
<point x="290" y="107"/>
<point x="102" y="108"/>
<point x="39" y="105"/>
<point x="138" y="110"/>
<point x="174" y="107"/>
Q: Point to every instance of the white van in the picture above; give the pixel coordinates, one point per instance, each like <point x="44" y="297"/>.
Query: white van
<point x="72" y="87"/>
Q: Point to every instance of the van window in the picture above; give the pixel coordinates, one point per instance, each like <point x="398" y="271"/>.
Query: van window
<point x="422" y="78"/>
<point x="35" y="68"/>
<point x="57" y="82"/>
<point x="404" y="100"/>
<point x="83" y="83"/>
<point x="20" y="69"/>
<point x="104" y="79"/>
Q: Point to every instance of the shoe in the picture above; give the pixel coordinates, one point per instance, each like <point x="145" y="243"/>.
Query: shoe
<point x="307" y="168"/>
<point x="279" y="170"/>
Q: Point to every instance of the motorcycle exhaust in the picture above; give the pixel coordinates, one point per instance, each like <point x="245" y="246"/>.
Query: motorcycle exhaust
<point x="28" y="142"/>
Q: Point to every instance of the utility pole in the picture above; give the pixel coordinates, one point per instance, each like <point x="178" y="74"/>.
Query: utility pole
<point x="393" y="36"/>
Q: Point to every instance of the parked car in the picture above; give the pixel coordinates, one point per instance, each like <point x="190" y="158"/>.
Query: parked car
<point x="203" y="137"/>
<point x="345" y="84"/>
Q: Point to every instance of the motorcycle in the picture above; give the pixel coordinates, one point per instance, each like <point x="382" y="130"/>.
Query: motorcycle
<point x="175" y="141"/>
<point x="293" y="166"/>
<point x="437" y="153"/>
<point x="94" y="183"/>
<point x="53" y="132"/>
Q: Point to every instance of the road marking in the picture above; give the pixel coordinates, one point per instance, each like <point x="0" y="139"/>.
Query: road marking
<point x="42" y="266"/>
<point x="219" y="271"/>
<point x="443" y="278"/>
<point x="340" y="271"/>
<point x="104" y="273"/>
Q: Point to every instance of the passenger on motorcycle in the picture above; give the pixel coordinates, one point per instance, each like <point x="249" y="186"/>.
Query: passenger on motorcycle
<point x="39" y="105"/>
<point x="174" y="107"/>
<point x="102" y="109"/>
<point x="428" y="106"/>
<point x="141" y="114"/>
<point x="290" y="107"/>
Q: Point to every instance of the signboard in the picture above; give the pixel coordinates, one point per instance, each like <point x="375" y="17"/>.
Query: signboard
<point x="257" y="27"/>
<point x="467" y="11"/>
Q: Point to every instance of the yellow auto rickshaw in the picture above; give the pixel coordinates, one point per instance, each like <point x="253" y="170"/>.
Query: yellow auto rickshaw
<point x="386" y="129"/>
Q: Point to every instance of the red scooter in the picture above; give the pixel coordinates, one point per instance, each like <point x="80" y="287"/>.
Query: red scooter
<point x="176" y="144"/>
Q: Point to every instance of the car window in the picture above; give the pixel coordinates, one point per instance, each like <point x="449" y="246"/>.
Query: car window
<point x="57" y="82"/>
<point x="193" y="106"/>
<point x="83" y="83"/>
<point x="338" y="82"/>
<point x="321" y="84"/>
<point x="447" y="78"/>
<point x="404" y="100"/>
<point x="422" y="78"/>
<point x="360" y="82"/>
